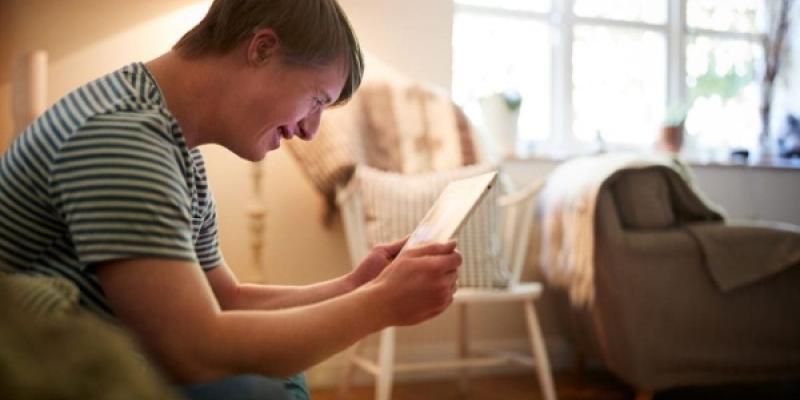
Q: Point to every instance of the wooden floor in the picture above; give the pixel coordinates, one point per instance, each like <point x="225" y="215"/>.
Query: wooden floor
<point x="594" y="385"/>
<point x="569" y="386"/>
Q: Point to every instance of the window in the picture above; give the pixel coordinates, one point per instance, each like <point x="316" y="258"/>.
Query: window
<point x="722" y="53"/>
<point x="613" y="70"/>
<point x="485" y="67"/>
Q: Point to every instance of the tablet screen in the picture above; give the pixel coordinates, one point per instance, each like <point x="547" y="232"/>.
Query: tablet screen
<point x="451" y="209"/>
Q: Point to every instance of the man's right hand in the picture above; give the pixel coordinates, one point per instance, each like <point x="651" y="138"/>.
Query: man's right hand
<point x="419" y="284"/>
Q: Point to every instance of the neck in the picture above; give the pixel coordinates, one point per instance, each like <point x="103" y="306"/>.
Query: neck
<point x="189" y="88"/>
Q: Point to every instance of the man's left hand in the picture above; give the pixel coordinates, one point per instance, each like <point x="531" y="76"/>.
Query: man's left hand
<point x="378" y="258"/>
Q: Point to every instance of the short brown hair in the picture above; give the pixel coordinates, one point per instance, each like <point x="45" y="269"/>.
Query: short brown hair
<point x="312" y="33"/>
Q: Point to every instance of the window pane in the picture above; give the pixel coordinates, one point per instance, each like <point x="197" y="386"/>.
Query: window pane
<point x="493" y="54"/>
<point x="652" y="11"/>
<point x="723" y="15"/>
<point x="720" y="75"/>
<point x="525" y="5"/>
<point x="619" y="78"/>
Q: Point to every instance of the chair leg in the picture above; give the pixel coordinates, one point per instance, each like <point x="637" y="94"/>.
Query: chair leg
<point x="539" y="352"/>
<point x="463" y="348"/>
<point x="349" y="371"/>
<point x="383" y="384"/>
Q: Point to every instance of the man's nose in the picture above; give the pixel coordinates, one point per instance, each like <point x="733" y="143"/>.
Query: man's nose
<point x="308" y="126"/>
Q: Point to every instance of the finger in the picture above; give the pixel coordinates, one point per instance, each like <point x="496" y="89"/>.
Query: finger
<point x="394" y="247"/>
<point x="390" y="250"/>
<point x="440" y="263"/>
<point x="432" y="249"/>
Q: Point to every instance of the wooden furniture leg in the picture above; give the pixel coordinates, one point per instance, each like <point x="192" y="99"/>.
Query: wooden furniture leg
<point x="539" y="352"/>
<point x="383" y="386"/>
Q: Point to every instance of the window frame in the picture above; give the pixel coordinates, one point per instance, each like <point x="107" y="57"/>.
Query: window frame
<point x="562" y="21"/>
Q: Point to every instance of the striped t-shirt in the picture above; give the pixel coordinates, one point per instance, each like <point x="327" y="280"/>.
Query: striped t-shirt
<point x="105" y="174"/>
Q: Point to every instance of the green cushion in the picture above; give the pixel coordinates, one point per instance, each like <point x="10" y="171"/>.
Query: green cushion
<point x="70" y="356"/>
<point x="42" y="295"/>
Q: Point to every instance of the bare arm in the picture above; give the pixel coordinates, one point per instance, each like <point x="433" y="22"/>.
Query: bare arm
<point x="233" y="295"/>
<point x="170" y="306"/>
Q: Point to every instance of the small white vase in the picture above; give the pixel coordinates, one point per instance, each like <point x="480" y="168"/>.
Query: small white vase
<point x="502" y="123"/>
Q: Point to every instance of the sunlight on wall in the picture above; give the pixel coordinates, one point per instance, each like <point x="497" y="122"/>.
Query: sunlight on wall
<point x="142" y="42"/>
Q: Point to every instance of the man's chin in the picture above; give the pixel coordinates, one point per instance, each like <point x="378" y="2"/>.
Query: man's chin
<point x="254" y="154"/>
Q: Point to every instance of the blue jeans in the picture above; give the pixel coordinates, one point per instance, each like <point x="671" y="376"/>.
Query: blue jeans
<point x="249" y="387"/>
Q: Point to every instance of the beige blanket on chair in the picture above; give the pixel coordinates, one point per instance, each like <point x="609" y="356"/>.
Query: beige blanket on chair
<point x="567" y="207"/>
<point x="391" y="126"/>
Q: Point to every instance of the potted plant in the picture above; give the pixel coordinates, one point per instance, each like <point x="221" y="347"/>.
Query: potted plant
<point x="672" y="135"/>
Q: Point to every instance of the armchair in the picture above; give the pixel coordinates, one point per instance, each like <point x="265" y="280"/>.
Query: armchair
<point x="682" y="297"/>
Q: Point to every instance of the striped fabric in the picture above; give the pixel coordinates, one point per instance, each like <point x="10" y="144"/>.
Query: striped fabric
<point x="105" y="174"/>
<point x="395" y="203"/>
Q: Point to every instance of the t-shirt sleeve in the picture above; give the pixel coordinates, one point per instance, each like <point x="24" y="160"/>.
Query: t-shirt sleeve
<point x="120" y="189"/>
<point x="207" y="245"/>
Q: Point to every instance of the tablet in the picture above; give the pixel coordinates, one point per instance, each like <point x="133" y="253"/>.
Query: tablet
<point x="451" y="209"/>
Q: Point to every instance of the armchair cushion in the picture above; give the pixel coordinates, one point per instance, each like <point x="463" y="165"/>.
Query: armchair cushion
<point x="394" y="204"/>
<point x="643" y="199"/>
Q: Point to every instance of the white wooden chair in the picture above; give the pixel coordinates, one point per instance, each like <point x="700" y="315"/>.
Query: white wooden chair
<point x="516" y="216"/>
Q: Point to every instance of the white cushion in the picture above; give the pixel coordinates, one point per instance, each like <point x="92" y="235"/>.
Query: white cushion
<point x="395" y="203"/>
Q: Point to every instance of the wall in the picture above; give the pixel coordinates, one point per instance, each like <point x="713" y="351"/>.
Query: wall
<point x="83" y="38"/>
<point x="414" y="36"/>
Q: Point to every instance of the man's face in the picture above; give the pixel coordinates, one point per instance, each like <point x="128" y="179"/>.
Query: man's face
<point x="277" y="101"/>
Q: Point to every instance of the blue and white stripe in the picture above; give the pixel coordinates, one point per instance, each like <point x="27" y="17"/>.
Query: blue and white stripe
<point x="104" y="174"/>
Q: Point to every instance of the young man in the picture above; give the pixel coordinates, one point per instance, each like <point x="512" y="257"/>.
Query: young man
<point x="108" y="190"/>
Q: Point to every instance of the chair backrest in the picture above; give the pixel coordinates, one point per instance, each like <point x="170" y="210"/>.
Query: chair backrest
<point x="499" y="244"/>
<point x="658" y="197"/>
<point x="516" y="223"/>
<point x="392" y="126"/>
<point x="643" y="199"/>
<point x="352" y="211"/>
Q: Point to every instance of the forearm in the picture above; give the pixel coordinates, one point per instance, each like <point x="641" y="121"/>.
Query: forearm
<point x="285" y="342"/>
<point x="274" y="297"/>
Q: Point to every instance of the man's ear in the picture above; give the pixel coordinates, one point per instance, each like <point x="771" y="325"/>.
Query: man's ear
<point x="263" y="46"/>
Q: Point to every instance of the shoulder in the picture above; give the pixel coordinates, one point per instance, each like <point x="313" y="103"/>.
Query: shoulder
<point x="145" y="130"/>
<point x="121" y="145"/>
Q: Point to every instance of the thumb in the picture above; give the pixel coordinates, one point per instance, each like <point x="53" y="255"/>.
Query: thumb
<point x="431" y="249"/>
